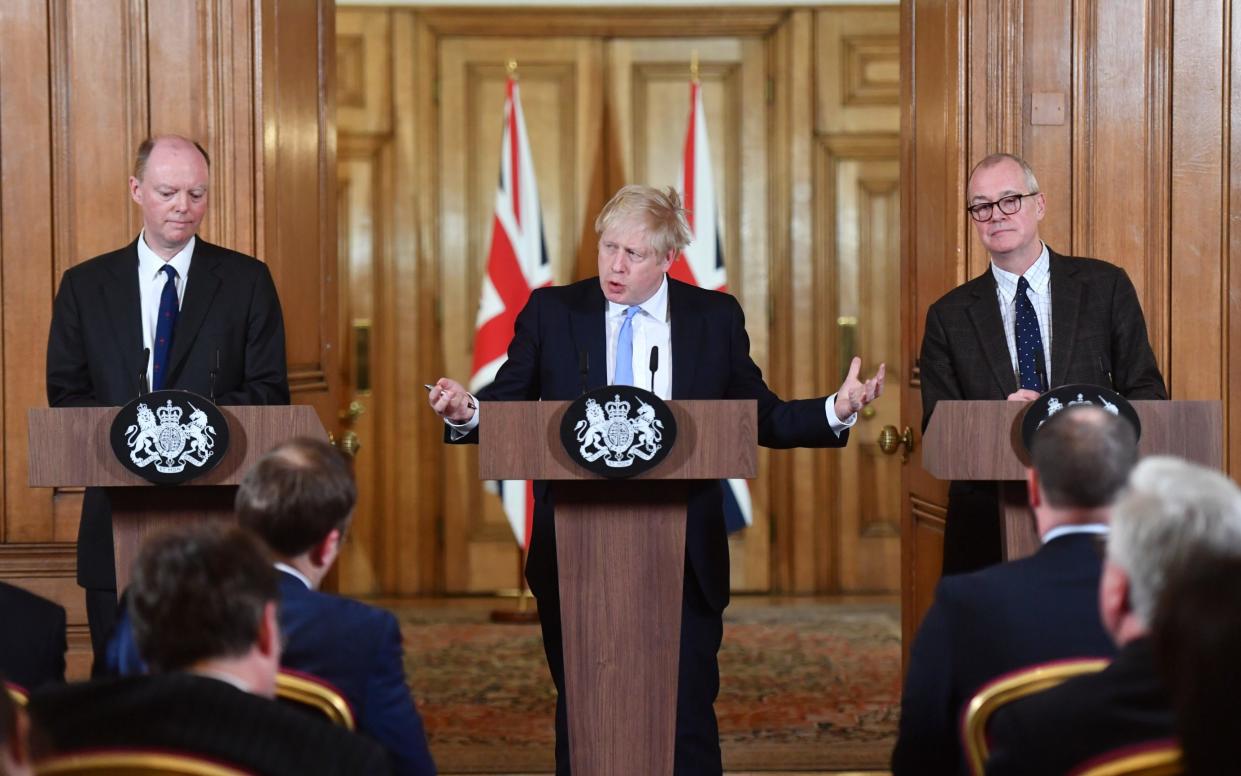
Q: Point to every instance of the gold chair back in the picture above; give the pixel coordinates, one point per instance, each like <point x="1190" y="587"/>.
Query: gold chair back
<point x="1162" y="759"/>
<point x="17" y="693"/>
<point x="310" y="691"/>
<point x="133" y="763"/>
<point x="1011" y="687"/>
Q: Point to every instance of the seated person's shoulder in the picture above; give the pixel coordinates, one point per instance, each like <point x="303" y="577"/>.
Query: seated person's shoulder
<point x="19" y="600"/>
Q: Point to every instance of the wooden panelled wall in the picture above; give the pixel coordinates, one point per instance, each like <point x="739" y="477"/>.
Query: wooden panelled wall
<point x="81" y="83"/>
<point x="803" y="111"/>
<point x="1130" y="115"/>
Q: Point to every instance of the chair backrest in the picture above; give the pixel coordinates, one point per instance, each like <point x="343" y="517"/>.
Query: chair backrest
<point x="1011" y="687"/>
<point x="17" y="693"/>
<point x="134" y="762"/>
<point x="1160" y="758"/>
<point x="316" y="694"/>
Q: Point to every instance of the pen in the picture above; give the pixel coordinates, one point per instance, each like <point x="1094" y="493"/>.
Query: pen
<point x="468" y="403"/>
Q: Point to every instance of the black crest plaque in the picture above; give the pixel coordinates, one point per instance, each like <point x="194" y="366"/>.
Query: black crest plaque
<point x="1044" y="407"/>
<point x="169" y="437"/>
<point x="618" y="431"/>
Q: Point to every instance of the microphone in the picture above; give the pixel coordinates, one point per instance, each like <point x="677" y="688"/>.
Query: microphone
<point x="143" y="387"/>
<point x="583" y="366"/>
<point x="1040" y="369"/>
<point x="654" y="365"/>
<point x="211" y="376"/>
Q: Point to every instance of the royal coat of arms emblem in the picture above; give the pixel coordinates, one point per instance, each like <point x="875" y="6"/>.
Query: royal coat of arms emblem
<point x="150" y="438"/>
<point x="618" y="431"/>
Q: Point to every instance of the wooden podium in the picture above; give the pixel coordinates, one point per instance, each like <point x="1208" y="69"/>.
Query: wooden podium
<point x="620" y="548"/>
<point x="69" y="447"/>
<point x="978" y="440"/>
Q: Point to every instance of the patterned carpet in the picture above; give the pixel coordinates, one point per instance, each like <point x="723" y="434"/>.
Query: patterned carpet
<point x="805" y="685"/>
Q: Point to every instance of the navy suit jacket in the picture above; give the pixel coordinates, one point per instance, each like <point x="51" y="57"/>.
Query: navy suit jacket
<point x="562" y="325"/>
<point x="185" y="712"/>
<point x="354" y="647"/>
<point x="357" y="648"/>
<point x="1054" y="731"/>
<point x="32" y="640"/>
<point x="230" y="313"/>
<point x="986" y="624"/>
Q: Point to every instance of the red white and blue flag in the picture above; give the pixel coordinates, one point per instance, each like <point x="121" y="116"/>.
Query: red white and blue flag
<point x="516" y="264"/>
<point x="702" y="262"/>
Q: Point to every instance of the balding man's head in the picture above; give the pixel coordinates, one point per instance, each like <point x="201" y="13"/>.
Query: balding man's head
<point x="1083" y="457"/>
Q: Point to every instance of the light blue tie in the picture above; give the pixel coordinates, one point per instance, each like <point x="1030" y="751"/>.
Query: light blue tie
<point x="624" y="349"/>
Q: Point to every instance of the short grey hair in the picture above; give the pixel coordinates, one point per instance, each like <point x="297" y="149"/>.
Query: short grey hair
<point x="994" y="159"/>
<point x="1172" y="512"/>
<point x="667" y="228"/>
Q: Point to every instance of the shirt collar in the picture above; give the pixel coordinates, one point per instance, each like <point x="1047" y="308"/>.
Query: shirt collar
<point x="1098" y="529"/>
<point x="1038" y="276"/>
<point x="221" y="676"/>
<point x="656" y="306"/>
<point x="149" y="263"/>
<point x="286" y="568"/>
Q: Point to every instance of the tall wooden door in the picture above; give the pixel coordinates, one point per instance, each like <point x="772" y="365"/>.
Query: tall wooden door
<point x="561" y="95"/>
<point x="648" y="112"/>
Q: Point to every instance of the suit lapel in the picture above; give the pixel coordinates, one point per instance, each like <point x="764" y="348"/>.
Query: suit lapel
<point x="686" y="334"/>
<point x="989" y="327"/>
<point x="203" y="284"/>
<point x="125" y="307"/>
<point x="1066" y="302"/>
<point x="589" y="321"/>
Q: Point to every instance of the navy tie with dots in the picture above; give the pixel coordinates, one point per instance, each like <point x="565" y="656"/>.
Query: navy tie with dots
<point x="1029" y="341"/>
<point x="168" y="310"/>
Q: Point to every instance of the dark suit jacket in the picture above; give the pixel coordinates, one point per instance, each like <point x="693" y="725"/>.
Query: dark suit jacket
<point x="1054" y="731"/>
<point x="94" y="352"/>
<point x="184" y="712"/>
<point x="357" y="648"/>
<point x="1097" y="328"/>
<point x="354" y="647"/>
<point x="986" y="624"/>
<point x="32" y="639"/>
<point x="710" y="360"/>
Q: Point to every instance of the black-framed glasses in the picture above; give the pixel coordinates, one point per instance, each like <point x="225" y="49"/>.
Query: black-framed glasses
<point x="1007" y="205"/>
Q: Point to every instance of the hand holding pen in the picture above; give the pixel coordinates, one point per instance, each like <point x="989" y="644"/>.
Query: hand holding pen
<point x="450" y="400"/>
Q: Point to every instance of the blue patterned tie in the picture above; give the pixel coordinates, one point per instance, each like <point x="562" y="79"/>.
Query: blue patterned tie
<point x="168" y="310"/>
<point x="624" y="349"/>
<point x="1029" y="341"/>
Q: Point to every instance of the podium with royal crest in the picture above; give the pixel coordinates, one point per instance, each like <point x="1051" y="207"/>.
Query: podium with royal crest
<point x="620" y="550"/>
<point x="75" y="447"/>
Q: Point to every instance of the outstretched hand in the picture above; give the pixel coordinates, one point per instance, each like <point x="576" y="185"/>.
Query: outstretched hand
<point x="450" y="400"/>
<point x="855" y="394"/>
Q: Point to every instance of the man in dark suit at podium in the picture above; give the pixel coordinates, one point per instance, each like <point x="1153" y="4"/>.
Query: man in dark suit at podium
<point x="1033" y="321"/>
<point x="1041" y="608"/>
<point x="601" y="331"/>
<point x="169" y="310"/>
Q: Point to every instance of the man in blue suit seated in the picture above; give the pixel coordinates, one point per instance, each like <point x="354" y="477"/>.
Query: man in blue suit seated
<point x="1041" y="608"/>
<point x="299" y="499"/>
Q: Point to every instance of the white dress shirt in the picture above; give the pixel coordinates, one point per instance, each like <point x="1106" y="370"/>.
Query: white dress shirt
<point x="1039" y="278"/>
<point x="151" y="281"/>
<point x="1098" y="529"/>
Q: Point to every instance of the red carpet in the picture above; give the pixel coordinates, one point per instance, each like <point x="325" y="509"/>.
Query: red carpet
<point x="805" y="685"/>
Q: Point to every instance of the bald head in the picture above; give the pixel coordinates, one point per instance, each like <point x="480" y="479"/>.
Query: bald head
<point x="170" y="185"/>
<point x="1083" y="457"/>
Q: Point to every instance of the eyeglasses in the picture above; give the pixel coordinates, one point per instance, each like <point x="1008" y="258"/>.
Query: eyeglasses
<point x="1007" y="205"/>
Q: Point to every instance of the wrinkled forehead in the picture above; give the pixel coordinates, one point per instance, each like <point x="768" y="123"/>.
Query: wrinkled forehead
<point x="627" y="231"/>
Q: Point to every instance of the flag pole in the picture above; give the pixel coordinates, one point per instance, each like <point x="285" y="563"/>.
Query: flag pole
<point x="693" y="65"/>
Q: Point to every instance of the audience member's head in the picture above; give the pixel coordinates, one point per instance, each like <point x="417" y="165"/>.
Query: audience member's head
<point x="1172" y="511"/>
<point x="204" y="599"/>
<point x="1197" y="632"/>
<point x="1080" y="459"/>
<point x="298" y="499"/>
<point x="14" y="737"/>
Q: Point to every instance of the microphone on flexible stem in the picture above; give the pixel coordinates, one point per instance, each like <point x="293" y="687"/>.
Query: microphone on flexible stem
<point x="654" y="365"/>
<point x="1041" y="371"/>
<point x="583" y="366"/>
<point x="143" y="387"/>
<point x="211" y="376"/>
